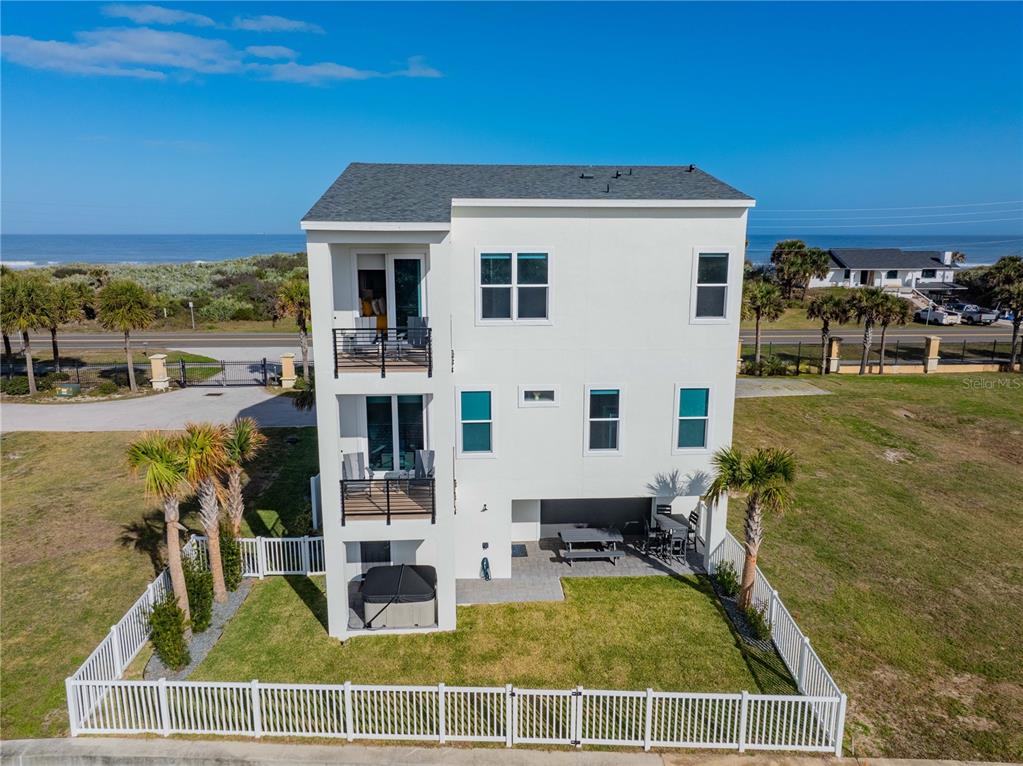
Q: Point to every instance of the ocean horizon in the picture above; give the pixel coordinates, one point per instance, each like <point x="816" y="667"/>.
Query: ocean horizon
<point x="22" y="251"/>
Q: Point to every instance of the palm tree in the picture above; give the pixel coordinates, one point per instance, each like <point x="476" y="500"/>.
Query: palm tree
<point x="293" y="300"/>
<point x="867" y="304"/>
<point x="958" y="257"/>
<point x="124" y="305"/>
<point x="828" y="308"/>
<point x="1006" y="280"/>
<point x="67" y="304"/>
<point x="6" y="275"/>
<point x="787" y="259"/>
<point x="816" y="262"/>
<point x="765" y="478"/>
<point x="761" y="300"/>
<point x="896" y="311"/>
<point x="160" y="461"/>
<point x="305" y="397"/>
<point x="204" y="448"/>
<point x="244" y="440"/>
<point x="25" y="306"/>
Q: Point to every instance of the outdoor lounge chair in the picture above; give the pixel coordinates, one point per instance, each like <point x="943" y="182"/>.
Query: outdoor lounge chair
<point x="417" y="333"/>
<point x="693" y="526"/>
<point x="355" y="474"/>
<point x="365" y="337"/>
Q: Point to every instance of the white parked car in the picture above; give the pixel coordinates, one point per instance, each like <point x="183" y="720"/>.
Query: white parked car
<point x="938" y="315"/>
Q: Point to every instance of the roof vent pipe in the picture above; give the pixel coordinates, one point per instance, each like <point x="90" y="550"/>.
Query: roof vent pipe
<point x="608" y="189"/>
<point x="585" y="175"/>
<point x="691" y="168"/>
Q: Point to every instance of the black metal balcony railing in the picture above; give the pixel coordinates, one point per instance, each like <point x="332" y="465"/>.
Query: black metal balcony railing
<point x="397" y="348"/>
<point x="375" y="499"/>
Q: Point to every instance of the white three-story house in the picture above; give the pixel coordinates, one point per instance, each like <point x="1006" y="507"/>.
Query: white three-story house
<point x="504" y="350"/>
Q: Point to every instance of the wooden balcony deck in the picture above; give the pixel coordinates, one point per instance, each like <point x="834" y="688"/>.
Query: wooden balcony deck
<point x="387" y="500"/>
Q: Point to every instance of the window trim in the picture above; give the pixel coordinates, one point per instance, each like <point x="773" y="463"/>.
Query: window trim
<point x="889" y="272"/>
<point x="923" y="273"/>
<point x="586" y="420"/>
<point x="527" y="404"/>
<point x="514" y="251"/>
<point x="694" y="284"/>
<point x="459" y="423"/>
<point x="679" y="387"/>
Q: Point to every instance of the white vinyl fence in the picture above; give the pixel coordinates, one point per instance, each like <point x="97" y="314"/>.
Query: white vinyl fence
<point x="99" y="703"/>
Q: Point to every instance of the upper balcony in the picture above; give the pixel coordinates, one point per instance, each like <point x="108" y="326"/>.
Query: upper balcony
<point x="396" y="349"/>
<point x="402" y="496"/>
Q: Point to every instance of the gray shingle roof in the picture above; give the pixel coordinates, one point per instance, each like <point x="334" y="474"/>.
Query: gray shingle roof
<point x="886" y="258"/>
<point x="423" y="193"/>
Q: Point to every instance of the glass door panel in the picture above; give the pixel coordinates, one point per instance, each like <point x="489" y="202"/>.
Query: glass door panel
<point x="380" y="432"/>
<point x="407" y="290"/>
<point x="410" y="430"/>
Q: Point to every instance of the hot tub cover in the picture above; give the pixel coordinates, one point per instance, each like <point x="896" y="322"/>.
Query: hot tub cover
<point x="402" y="583"/>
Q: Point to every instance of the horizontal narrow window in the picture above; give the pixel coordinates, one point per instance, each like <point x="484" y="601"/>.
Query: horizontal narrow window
<point x="538" y="396"/>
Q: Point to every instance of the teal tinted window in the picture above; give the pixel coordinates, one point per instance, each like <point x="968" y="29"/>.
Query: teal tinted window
<point x="476" y="437"/>
<point x="532" y="268"/>
<point x="475" y="405"/>
<point x="692" y="417"/>
<point x="692" y="433"/>
<point x="692" y="403"/>
<point x="495" y="268"/>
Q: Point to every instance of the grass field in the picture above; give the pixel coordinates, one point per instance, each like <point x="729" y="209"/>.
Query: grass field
<point x="66" y="576"/>
<point x="612" y="633"/>
<point x="901" y="558"/>
<point x="140" y="354"/>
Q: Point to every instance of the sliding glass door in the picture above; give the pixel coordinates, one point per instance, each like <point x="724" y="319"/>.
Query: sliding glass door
<point x="408" y="275"/>
<point x="395" y="430"/>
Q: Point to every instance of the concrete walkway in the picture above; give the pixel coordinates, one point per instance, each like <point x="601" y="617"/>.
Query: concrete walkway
<point x="747" y="388"/>
<point x="84" y="751"/>
<point x="169" y="410"/>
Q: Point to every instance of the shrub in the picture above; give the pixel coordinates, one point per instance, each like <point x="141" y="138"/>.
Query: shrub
<point x="726" y="578"/>
<point x="199" y="584"/>
<point x="768" y="365"/>
<point x="756" y="621"/>
<point x="106" y="388"/>
<point x="120" y="378"/>
<point x="231" y="558"/>
<point x="49" y="380"/>
<point x="225" y="307"/>
<point x="167" y="632"/>
<point x="16" y="386"/>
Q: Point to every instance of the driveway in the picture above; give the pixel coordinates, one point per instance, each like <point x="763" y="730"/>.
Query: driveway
<point x="748" y="388"/>
<point x="170" y="410"/>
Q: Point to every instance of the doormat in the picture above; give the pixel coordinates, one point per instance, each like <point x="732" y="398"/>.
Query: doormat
<point x="519" y="551"/>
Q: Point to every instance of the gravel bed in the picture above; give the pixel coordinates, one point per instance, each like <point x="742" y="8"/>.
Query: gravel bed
<point x="201" y="643"/>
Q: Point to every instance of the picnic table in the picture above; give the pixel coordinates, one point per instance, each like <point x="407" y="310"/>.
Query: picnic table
<point x="669" y="524"/>
<point x="605" y="540"/>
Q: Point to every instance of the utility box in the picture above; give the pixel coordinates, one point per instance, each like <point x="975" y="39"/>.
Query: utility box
<point x="68" y="389"/>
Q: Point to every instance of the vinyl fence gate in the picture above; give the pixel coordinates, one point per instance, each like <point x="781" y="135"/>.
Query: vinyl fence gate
<point x="256" y="373"/>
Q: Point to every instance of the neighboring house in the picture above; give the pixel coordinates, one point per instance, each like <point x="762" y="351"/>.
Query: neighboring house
<point x="890" y="268"/>
<point x="551" y="338"/>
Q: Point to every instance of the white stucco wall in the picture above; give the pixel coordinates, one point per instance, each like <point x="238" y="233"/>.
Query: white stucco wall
<point x="620" y="317"/>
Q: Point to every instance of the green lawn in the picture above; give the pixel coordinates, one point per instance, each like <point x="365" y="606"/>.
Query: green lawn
<point x="901" y="558"/>
<point x="65" y="575"/>
<point x="613" y="633"/>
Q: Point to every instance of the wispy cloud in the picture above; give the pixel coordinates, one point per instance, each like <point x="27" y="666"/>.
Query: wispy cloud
<point x="155" y="14"/>
<point x="136" y="52"/>
<point x="271" y="52"/>
<point x="417" y="67"/>
<point x="327" y="72"/>
<point x="274" y="24"/>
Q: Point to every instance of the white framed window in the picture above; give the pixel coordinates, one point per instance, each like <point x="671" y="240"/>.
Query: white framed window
<point x="476" y="423"/>
<point x="539" y="396"/>
<point x="513" y="286"/>
<point x="710" y="285"/>
<point x="692" y="419"/>
<point x="603" y="420"/>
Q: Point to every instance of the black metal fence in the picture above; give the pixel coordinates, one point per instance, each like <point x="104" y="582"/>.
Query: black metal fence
<point x="388" y="499"/>
<point x="797" y="358"/>
<point x="86" y="375"/>
<point x="260" y="372"/>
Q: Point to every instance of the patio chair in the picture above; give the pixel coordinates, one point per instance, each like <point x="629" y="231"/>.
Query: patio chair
<point x="691" y="531"/>
<point x="424" y="463"/>
<point x="365" y="338"/>
<point x="355" y="474"/>
<point x="655" y="543"/>
<point x="417" y="333"/>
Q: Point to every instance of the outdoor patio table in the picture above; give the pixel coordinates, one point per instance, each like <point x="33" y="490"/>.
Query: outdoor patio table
<point x="606" y="540"/>
<point x="670" y="524"/>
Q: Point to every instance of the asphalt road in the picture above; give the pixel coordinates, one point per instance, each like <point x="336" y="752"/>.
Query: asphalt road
<point x="286" y="339"/>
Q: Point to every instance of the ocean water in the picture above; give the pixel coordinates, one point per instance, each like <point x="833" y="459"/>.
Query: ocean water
<point x="26" y="250"/>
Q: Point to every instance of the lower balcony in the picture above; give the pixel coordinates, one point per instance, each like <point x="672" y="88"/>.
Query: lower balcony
<point x="388" y="499"/>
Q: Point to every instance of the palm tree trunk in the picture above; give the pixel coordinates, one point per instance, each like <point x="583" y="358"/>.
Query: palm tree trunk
<point x="56" y="351"/>
<point x="177" y="574"/>
<point x="825" y="337"/>
<point x="7" y="345"/>
<point x="209" y="512"/>
<point x="303" y="339"/>
<point x="756" y="348"/>
<point x="29" y="368"/>
<point x="131" y="365"/>
<point x="754" y="530"/>
<point x="1013" y="353"/>
<point x="868" y="338"/>
<point x="880" y="363"/>
<point x="235" y="504"/>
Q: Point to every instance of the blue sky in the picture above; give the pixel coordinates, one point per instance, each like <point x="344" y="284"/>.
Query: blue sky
<point x="234" y="117"/>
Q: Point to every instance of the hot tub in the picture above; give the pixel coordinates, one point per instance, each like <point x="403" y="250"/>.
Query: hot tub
<point x="400" y="596"/>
